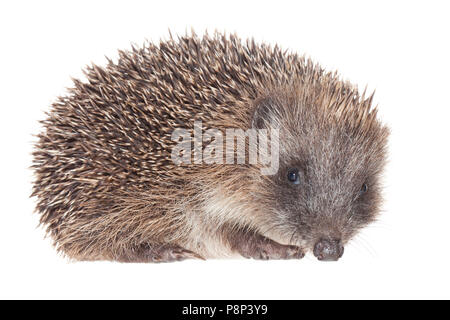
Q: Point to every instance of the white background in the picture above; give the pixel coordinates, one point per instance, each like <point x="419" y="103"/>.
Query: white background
<point x="401" y="49"/>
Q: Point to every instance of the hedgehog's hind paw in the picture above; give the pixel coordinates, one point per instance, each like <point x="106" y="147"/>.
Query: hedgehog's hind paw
<point x="176" y="253"/>
<point x="158" y="253"/>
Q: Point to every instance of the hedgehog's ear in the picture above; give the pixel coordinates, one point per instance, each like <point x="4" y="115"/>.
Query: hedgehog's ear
<point x="263" y="112"/>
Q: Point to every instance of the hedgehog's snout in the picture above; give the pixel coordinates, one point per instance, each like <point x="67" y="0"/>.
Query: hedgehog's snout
<point x="328" y="249"/>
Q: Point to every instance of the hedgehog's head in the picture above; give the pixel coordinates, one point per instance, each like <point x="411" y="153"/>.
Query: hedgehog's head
<point x="331" y="154"/>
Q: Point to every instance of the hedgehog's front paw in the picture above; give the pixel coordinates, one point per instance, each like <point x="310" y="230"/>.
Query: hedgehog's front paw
<point x="262" y="248"/>
<point x="274" y="250"/>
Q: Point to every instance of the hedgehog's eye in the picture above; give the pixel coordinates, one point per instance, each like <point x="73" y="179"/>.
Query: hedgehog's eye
<point x="293" y="176"/>
<point x="364" y="188"/>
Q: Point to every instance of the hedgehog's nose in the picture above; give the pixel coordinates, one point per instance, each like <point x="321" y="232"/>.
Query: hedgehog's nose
<point x="328" y="250"/>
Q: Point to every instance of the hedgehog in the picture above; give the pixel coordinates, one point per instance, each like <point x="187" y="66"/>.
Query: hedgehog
<point x="108" y="188"/>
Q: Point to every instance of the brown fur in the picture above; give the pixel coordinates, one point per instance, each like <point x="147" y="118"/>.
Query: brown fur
<point x="107" y="188"/>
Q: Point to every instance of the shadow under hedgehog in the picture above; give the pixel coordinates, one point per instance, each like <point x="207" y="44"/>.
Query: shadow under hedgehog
<point x="107" y="188"/>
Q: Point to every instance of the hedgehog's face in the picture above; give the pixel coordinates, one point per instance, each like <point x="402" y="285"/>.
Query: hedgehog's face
<point x="327" y="186"/>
